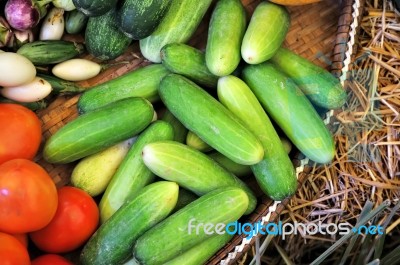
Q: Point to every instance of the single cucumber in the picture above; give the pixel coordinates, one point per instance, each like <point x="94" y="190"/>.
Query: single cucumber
<point x="112" y="243"/>
<point x="191" y="169"/>
<point x="180" y="131"/>
<point x="190" y="62"/>
<point x="178" y="25"/>
<point x="237" y="169"/>
<point x="185" y="197"/>
<point x="132" y="175"/>
<point x="75" y="21"/>
<point x="138" y="19"/>
<point x="275" y="174"/>
<point x="225" y="34"/>
<point x="93" y="173"/>
<point x="291" y="110"/>
<point x="197" y="143"/>
<point x="210" y="120"/>
<point x="103" y="39"/>
<point x="142" y="82"/>
<point x="43" y="52"/>
<point x="286" y="144"/>
<point x="95" y="131"/>
<point x="177" y="233"/>
<point x="94" y="8"/>
<point x="266" y="32"/>
<point x="320" y="86"/>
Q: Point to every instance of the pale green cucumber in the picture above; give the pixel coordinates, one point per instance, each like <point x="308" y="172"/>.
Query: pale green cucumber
<point x="132" y="175"/>
<point x="210" y="120"/>
<point x="197" y="143"/>
<point x="191" y="169"/>
<point x="185" y="197"/>
<point x="266" y="32"/>
<point x="93" y="173"/>
<point x="172" y="237"/>
<point x="225" y="34"/>
<point x="275" y="174"/>
<point x="178" y="25"/>
<point x="180" y="131"/>
<point x="237" y="169"/>
<point x="291" y="110"/>
<point x="112" y="243"/>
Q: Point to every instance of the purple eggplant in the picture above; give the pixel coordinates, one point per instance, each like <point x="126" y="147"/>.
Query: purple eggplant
<point x="6" y="34"/>
<point x="25" y="14"/>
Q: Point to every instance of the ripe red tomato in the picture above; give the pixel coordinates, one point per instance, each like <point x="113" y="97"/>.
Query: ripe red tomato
<point x="28" y="197"/>
<point x="51" y="259"/>
<point x="12" y="252"/>
<point x="75" y="221"/>
<point x="20" y="133"/>
<point x="23" y="238"/>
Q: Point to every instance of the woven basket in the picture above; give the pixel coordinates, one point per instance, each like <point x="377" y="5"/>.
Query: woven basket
<point x="320" y="32"/>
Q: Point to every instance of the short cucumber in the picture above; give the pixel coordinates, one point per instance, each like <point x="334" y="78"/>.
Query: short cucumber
<point x="178" y="25"/>
<point x="95" y="131"/>
<point x="75" y="21"/>
<point x="180" y="131"/>
<point x="142" y="82"/>
<point x="237" y="169"/>
<point x="291" y="110"/>
<point x="225" y="34"/>
<point x="177" y="233"/>
<point x="210" y="120"/>
<point x="190" y="62"/>
<point x="197" y="143"/>
<point x="132" y="175"/>
<point x="191" y="169"/>
<point x="320" y="86"/>
<point x="113" y="241"/>
<point x="275" y="174"/>
<point x="93" y="8"/>
<point x="266" y="32"/>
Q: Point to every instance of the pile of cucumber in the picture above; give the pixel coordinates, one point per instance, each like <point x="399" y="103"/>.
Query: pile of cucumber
<point x="220" y="113"/>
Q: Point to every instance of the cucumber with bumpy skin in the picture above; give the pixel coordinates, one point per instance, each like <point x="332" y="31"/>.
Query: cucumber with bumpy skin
<point x="94" y="8"/>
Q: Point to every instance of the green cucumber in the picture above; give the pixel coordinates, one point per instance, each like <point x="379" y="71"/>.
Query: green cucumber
<point x="237" y="169"/>
<point x="75" y="21"/>
<point x="191" y="169"/>
<point x="178" y="25"/>
<point x="291" y="110"/>
<point x="185" y="197"/>
<point x="266" y="32"/>
<point x="210" y="120"/>
<point x="112" y="243"/>
<point x="95" y="131"/>
<point x="197" y="143"/>
<point x="132" y="175"/>
<point x="43" y="52"/>
<point x="92" y="8"/>
<point x="138" y="19"/>
<point x="320" y="86"/>
<point x="275" y="174"/>
<point x="286" y="144"/>
<point x="180" y="131"/>
<point x="225" y="34"/>
<point x="103" y="39"/>
<point x="142" y="82"/>
<point x="172" y="237"/>
<point x="61" y="86"/>
<point x="190" y="62"/>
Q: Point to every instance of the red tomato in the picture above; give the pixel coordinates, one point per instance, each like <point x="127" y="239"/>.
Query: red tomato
<point x="28" y="197"/>
<point x="20" y="133"/>
<point x="12" y="252"/>
<point x="23" y="238"/>
<point x="51" y="259"/>
<point x="75" y="221"/>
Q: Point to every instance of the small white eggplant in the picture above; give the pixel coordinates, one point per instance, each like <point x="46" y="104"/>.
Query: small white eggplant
<point x="34" y="91"/>
<point x="67" y="5"/>
<point x="15" y="69"/>
<point x="53" y="25"/>
<point x="76" y="69"/>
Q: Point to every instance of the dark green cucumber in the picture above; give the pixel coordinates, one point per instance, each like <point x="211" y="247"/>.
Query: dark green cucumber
<point x="210" y="120"/>
<point x="190" y="62"/>
<point x="95" y="131"/>
<point x="180" y="131"/>
<point x="185" y="197"/>
<point x="291" y="110"/>
<point x="92" y="8"/>
<point x="237" y="169"/>
<point x="142" y="82"/>
<point x="275" y="174"/>
<point x="320" y="86"/>
<point x="138" y="19"/>
<point x="178" y="25"/>
<point x="103" y="39"/>
<point x="132" y="175"/>
<point x="75" y="21"/>
<point x="191" y="169"/>
<point x="225" y="34"/>
<point x="197" y="143"/>
<point x="61" y="86"/>
<point x="172" y="237"/>
<point x="50" y="51"/>
<point x="112" y="243"/>
<point x="266" y="32"/>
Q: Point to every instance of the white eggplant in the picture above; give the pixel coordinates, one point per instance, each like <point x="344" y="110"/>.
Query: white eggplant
<point x="67" y="5"/>
<point x="15" y="69"/>
<point x="76" y="69"/>
<point x="53" y="25"/>
<point x="34" y="91"/>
